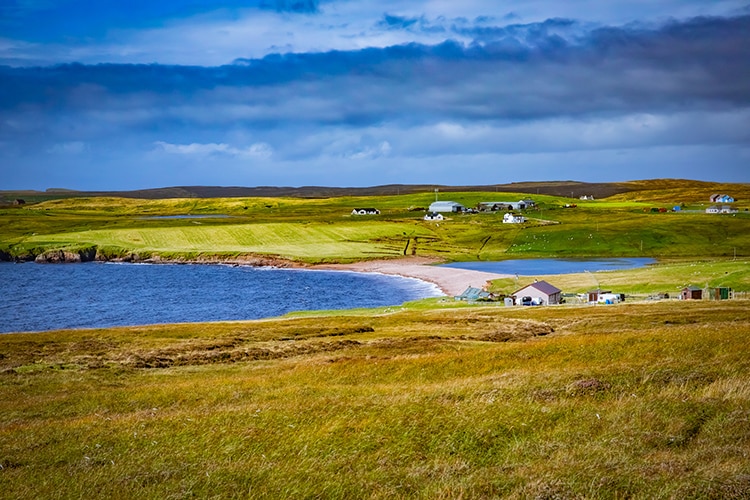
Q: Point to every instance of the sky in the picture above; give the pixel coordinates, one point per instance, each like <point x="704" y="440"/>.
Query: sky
<point x="111" y="95"/>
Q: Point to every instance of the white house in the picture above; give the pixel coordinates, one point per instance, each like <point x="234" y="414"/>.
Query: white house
<point x="433" y="216"/>
<point x="713" y="209"/>
<point x="446" y="206"/>
<point x="721" y="198"/>
<point x="539" y="293"/>
<point x="365" y="211"/>
<point x="510" y="218"/>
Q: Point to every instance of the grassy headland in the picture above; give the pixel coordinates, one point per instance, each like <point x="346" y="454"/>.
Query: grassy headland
<point x="323" y="230"/>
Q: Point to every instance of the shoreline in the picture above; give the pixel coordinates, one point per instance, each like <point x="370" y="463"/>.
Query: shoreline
<point x="451" y="281"/>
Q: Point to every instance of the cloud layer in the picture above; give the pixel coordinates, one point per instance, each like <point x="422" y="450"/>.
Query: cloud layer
<point x="426" y="95"/>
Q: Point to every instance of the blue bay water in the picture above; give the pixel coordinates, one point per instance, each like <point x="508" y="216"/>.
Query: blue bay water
<point x="39" y="297"/>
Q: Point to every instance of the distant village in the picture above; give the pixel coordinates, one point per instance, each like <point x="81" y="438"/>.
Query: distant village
<point x="541" y="293"/>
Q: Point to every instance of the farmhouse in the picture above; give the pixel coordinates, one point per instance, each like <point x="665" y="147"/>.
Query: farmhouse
<point x="691" y="293"/>
<point x="365" y="211"/>
<point x="538" y="293"/>
<point x="433" y="216"/>
<point x="721" y="198"/>
<point x="446" y="207"/>
<point x="510" y="218"/>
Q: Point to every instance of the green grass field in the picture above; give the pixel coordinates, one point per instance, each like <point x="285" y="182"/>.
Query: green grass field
<point x="431" y="399"/>
<point x="629" y="401"/>
<point x="323" y="230"/>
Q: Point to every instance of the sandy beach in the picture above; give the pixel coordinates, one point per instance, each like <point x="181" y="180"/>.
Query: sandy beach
<point x="450" y="280"/>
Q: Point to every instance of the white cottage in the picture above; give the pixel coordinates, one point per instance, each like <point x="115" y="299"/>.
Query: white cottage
<point x="365" y="211"/>
<point x="538" y="293"/>
<point x="510" y="218"/>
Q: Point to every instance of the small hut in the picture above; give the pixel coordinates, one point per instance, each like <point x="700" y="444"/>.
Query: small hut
<point x="691" y="293"/>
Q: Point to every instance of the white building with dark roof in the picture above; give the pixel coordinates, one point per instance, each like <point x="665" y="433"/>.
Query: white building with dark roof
<point x="538" y="293"/>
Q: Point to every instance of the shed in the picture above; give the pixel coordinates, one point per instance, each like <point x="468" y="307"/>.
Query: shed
<point x="609" y="298"/>
<point x="505" y="205"/>
<point x="594" y="295"/>
<point x="446" y="206"/>
<point x="473" y="293"/>
<point x="691" y="293"/>
<point x="540" y="292"/>
<point x="719" y="293"/>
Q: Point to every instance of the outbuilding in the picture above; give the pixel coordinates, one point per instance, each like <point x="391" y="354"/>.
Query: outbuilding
<point x="594" y="295"/>
<point x="446" y="207"/>
<point x="539" y="292"/>
<point x="691" y="293"/>
<point x="472" y="294"/>
<point x="493" y="206"/>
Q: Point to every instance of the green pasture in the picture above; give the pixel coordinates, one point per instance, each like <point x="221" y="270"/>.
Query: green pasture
<point x="293" y="241"/>
<point x="323" y="230"/>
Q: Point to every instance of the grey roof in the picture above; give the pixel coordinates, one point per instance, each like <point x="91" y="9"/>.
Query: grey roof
<point x="473" y="293"/>
<point x="445" y="204"/>
<point x="543" y="287"/>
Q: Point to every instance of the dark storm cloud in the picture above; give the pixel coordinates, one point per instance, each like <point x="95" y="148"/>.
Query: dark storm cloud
<point x="523" y="73"/>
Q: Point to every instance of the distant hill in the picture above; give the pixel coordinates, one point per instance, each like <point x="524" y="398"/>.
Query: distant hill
<point x="646" y="190"/>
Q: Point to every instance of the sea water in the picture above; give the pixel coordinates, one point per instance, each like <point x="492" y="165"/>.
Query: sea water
<point x="39" y="297"/>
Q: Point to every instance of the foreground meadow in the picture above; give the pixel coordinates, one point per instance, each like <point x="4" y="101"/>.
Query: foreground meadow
<point x="438" y="400"/>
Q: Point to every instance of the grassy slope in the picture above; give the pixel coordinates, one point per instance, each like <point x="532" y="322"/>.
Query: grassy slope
<point x="324" y="230"/>
<point x="640" y="400"/>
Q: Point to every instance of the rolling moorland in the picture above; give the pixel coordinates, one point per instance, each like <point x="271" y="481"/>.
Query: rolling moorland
<point x="433" y="399"/>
